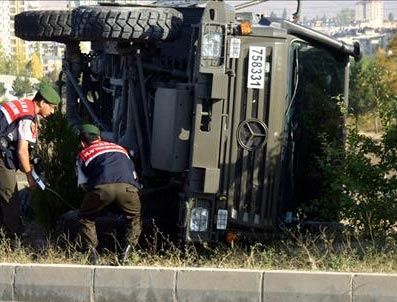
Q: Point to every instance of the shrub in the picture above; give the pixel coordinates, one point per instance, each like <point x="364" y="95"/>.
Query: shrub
<point x="57" y="149"/>
<point x="362" y="187"/>
<point x="361" y="177"/>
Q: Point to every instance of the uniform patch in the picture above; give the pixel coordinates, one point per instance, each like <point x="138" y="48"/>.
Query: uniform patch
<point x="17" y="109"/>
<point x="89" y="153"/>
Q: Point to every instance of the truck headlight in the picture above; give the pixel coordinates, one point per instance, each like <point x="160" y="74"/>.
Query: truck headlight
<point x="199" y="219"/>
<point x="211" y="47"/>
<point x="221" y="219"/>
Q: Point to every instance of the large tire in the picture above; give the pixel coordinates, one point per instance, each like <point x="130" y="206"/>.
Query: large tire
<point x="95" y="23"/>
<point x="44" y="25"/>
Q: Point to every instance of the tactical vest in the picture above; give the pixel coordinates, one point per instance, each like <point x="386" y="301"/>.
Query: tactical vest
<point x="105" y="163"/>
<point x="11" y="113"/>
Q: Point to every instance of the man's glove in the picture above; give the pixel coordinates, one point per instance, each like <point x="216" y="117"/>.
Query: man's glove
<point x="38" y="165"/>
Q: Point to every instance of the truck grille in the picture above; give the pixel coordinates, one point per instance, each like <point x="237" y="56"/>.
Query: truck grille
<point x="247" y="174"/>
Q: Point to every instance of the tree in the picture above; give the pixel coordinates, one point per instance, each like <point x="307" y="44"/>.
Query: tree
<point x="53" y="75"/>
<point x="7" y="63"/>
<point x="37" y="66"/>
<point x="11" y="65"/>
<point x="19" y="59"/>
<point x="389" y="63"/>
<point x="56" y="135"/>
<point x="362" y="99"/>
<point x="3" y="61"/>
<point x="360" y="179"/>
<point x="21" y="86"/>
<point x="3" y="89"/>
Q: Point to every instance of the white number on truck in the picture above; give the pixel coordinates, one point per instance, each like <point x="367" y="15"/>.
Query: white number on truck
<point x="256" y="67"/>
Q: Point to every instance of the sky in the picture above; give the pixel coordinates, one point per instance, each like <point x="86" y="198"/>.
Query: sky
<point x="309" y="9"/>
<point x="319" y="8"/>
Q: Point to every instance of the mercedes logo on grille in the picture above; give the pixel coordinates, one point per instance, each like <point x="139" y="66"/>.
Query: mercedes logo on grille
<point x="251" y="134"/>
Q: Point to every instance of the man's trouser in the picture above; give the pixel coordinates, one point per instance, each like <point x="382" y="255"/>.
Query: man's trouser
<point x="125" y="196"/>
<point x="10" y="213"/>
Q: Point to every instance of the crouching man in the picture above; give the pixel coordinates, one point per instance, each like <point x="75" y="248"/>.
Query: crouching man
<point x="18" y="130"/>
<point x="108" y="174"/>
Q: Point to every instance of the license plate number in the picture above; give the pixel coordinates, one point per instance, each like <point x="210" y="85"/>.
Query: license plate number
<point x="256" y="67"/>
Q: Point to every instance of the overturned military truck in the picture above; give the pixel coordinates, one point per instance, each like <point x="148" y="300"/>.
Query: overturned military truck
<point x="221" y="108"/>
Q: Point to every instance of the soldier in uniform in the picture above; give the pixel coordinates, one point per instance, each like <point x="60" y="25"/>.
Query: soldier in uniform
<point x="18" y="130"/>
<point x="108" y="174"/>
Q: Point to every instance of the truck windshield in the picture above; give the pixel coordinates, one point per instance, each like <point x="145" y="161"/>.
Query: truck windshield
<point x="313" y="118"/>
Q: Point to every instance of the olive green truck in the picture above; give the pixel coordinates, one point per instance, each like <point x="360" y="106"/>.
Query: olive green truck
<point x="221" y="108"/>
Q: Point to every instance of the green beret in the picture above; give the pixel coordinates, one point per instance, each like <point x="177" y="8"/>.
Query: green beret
<point x="90" y="129"/>
<point x="49" y="94"/>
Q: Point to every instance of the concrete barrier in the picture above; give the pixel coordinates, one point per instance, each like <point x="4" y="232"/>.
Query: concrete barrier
<point x="7" y="273"/>
<point x="53" y="283"/>
<point x="218" y="285"/>
<point x="137" y="284"/>
<point x="58" y="283"/>
<point x="374" y="288"/>
<point x="307" y="287"/>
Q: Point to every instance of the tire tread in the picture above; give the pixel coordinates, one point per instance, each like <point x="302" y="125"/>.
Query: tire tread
<point x="115" y="23"/>
<point x="45" y="25"/>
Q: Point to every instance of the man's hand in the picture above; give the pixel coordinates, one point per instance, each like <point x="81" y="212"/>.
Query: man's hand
<point x="31" y="181"/>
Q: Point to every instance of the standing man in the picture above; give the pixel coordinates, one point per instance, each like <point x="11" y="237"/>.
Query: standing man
<point x="108" y="174"/>
<point x="18" y="130"/>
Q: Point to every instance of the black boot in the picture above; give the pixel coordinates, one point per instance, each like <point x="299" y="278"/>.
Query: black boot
<point x="93" y="257"/>
<point x="124" y="255"/>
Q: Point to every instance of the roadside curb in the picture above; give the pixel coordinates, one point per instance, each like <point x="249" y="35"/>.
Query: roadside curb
<point x="36" y="282"/>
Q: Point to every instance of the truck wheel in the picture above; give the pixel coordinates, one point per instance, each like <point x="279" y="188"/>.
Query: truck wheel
<point x="126" y="23"/>
<point x="44" y="25"/>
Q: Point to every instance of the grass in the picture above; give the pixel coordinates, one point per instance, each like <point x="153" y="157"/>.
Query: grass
<point x="298" y="250"/>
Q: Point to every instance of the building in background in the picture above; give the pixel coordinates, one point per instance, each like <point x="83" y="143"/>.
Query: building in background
<point x="11" y="45"/>
<point x="361" y="11"/>
<point x="370" y="11"/>
<point x="5" y="23"/>
<point x="370" y="29"/>
<point x="17" y="46"/>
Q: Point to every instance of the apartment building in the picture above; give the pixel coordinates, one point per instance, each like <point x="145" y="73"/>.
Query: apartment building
<point x="370" y="11"/>
<point x="5" y="24"/>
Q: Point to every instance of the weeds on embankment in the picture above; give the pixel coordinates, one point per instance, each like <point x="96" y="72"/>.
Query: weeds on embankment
<point x="298" y="250"/>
